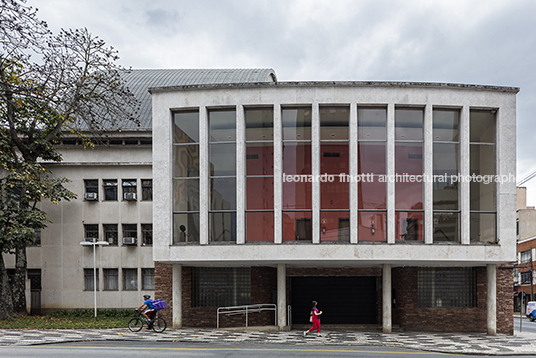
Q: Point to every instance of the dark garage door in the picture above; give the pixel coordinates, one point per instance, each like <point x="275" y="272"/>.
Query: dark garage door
<point x="343" y="300"/>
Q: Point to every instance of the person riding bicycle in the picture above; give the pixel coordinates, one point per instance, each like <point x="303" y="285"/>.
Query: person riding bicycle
<point x="147" y="307"/>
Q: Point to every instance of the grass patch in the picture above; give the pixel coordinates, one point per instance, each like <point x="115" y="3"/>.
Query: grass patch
<point x="72" y="319"/>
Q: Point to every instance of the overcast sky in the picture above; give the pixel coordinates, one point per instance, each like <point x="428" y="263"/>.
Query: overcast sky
<point x="462" y="41"/>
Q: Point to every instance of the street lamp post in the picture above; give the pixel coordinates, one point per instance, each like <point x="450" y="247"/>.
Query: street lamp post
<point x="94" y="244"/>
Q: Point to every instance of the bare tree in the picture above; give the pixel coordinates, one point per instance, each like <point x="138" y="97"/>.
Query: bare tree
<point x="49" y="85"/>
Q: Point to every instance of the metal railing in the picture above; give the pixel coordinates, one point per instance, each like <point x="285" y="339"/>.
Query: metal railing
<point x="289" y="315"/>
<point x="247" y="309"/>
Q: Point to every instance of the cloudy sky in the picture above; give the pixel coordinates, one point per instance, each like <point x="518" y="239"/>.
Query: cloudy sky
<point x="462" y="41"/>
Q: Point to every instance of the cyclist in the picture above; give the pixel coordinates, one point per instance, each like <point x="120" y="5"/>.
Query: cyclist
<point x="147" y="307"/>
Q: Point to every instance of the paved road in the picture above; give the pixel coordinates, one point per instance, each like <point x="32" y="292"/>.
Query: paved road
<point x="202" y="350"/>
<point x="526" y="325"/>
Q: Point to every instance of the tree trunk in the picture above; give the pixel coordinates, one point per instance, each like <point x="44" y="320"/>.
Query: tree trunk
<point x="6" y="301"/>
<point x="19" y="282"/>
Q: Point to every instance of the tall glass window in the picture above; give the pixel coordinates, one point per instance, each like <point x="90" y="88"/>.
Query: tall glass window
<point x="482" y="169"/>
<point x="409" y="135"/>
<point x="259" y="174"/>
<point x="334" y="168"/>
<point x="446" y="167"/>
<point x="297" y="192"/>
<point x="371" y="166"/>
<point x="185" y="177"/>
<point x="222" y="171"/>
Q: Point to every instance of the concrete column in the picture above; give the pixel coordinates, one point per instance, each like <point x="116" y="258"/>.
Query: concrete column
<point x="465" y="205"/>
<point x="428" y="172"/>
<point x="386" y="298"/>
<point x="203" y="176"/>
<point x="278" y="175"/>
<point x="240" y="176"/>
<point x="353" y="173"/>
<point x="315" y="171"/>
<point x="281" y="296"/>
<point x="177" y="296"/>
<point x="492" y="299"/>
<point x="390" y="172"/>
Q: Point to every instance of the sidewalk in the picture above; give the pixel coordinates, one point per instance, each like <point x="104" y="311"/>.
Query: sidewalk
<point x="520" y="343"/>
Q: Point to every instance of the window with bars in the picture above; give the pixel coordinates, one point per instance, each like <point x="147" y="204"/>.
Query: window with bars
<point x="525" y="278"/>
<point x="220" y="287"/>
<point x="110" y="233"/>
<point x="111" y="279"/>
<point x="91" y="232"/>
<point x="447" y="287"/>
<point x="130" y="279"/>
<point x="110" y="189"/>
<point x="88" y="279"/>
<point x="146" y="189"/>
<point x="147" y="234"/>
<point x="147" y="276"/>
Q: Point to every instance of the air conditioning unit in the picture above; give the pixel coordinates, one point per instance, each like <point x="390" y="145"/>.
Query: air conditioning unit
<point x="129" y="241"/>
<point x="129" y="196"/>
<point x="90" y="239"/>
<point x="91" y="196"/>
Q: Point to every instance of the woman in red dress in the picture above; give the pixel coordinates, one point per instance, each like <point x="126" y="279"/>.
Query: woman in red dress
<point x="315" y="319"/>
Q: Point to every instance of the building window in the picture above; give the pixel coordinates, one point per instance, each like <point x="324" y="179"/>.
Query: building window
<point x="525" y="278"/>
<point x="185" y="177"/>
<point x="372" y="162"/>
<point x="446" y="165"/>
<point x="221" y="286"/>
<point x="91" y="189"/>
<point x="147" y="189"/>
<point x="147" y="234"/>
<point x="222" y="171"/>
<point x="482" y="162"/>
<point x="147" y="275"/>
<point x="110" y="233"/>
<point x="297" y="195"/>
<point x="526" y="256"/>
<point x="130" y="279"/>
<point x="111" y="279"/>
<point x="130" y="233"/>
<point x="409" y="136"/>
<point x="129" y="189"/>
<point x="110" y="189"/>
<point x="334" y="161"/>
<point x="447" y="287"/>
<point x="259" y="174"/>
<point x="89" y="279"/>
<point x="91" y="232"/>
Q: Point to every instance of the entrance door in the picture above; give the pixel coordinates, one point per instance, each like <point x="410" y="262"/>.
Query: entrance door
<point x="343" y="300"/>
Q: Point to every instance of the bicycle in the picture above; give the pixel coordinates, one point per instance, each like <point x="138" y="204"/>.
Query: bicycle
<point x="157" y="324"/>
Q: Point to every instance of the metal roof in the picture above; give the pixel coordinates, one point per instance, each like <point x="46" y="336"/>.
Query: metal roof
<point x="139" y="81"/>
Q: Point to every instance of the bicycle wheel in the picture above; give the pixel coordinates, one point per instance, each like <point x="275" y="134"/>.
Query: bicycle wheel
<point x="135" y="325"/>
<point x="159" y="325"/>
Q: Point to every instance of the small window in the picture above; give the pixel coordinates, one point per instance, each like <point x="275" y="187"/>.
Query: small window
<point x="526" y="256"/>
<point x="91" y="186"/>
<point x="130" y="279"/>
<point x="110" y="189"/>
<point x="525" y="278"/>
<point x="147" y="234"/>
<point x="147" y="189"/>
<point x="130" y="231"/>
<point x="91" y="232"/>
<point x="129" y="189"/>
<point x="110" y="233"/>
<point x="37" y="237"/>
<point x="147" y="278"/>
<point x="111" y="279"/>
<point x="89" y="279"/>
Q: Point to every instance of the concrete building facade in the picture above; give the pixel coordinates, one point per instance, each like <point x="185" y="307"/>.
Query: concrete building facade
<point x="388" y="203"/>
